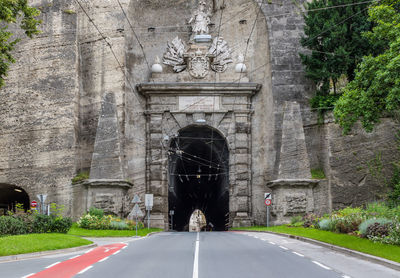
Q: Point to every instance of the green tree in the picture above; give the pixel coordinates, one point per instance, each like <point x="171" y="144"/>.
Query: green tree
<point x="14" y="11"/>
<point x="375" y="91"/>
<point x="337" y="46"/>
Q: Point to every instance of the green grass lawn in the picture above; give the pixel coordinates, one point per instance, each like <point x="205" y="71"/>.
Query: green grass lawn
<point x="390" y="252"/>
<point x="75" y="230"/>
<point x="21" y="244"/>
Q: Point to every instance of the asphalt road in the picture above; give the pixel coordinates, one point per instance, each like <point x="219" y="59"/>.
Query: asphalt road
<point x="204" y="255"/>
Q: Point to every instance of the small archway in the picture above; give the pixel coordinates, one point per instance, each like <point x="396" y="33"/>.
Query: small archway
<point x="199" y="177"/>
<point x="10" y="196"/>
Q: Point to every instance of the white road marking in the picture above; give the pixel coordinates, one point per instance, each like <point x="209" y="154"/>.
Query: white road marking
<point x="26" y="276"/>
<point x="298" y="254"/>
<point x="74" y="257"/>
<point x="321" y="265"/>
<point x="283" y="247"/>
<point x="196" y="258"/>
<point x="117" y="252"/>
<point x="102" y="260"/>
<point x="345" y="276"/>
<point x="264" y="239"/>
<point x="84" y="270"/>
<point x="124" y="247"/>
<point x="52" y="265"/>
<point x="89" y="250"/>
<point x="273" y="243"/>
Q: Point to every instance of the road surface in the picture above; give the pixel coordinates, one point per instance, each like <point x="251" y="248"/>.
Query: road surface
<point x="200" y="255"/>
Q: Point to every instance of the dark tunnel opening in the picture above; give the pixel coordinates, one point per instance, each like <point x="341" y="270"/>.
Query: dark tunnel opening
<point x="199" y="177"/>
<point x="10" y="196"/>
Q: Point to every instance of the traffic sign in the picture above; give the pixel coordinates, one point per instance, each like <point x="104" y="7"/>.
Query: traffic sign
<point x="136" y="211"/>
<point x="268" y="196"/>
<point x="136" y="199"/>
<point x="33" y="204"/>
<point x="148" y="201"/>
<point x="268" y="202"/>
<point x="42" y="197"/>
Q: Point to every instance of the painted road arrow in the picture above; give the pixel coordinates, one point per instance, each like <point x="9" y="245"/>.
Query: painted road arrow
<point x="79" y="264"/>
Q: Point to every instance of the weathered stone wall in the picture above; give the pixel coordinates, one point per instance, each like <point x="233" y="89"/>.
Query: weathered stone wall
<point x="347" y="160"/>
<point x="38" y="108"/>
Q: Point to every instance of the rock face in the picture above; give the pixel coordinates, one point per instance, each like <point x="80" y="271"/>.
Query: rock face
<point x="72" y="104"/>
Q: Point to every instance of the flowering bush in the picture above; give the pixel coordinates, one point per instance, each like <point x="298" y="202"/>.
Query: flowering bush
<point x="106" y="222"/>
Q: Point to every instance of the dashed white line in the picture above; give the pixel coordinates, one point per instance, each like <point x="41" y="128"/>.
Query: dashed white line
<point x="321" y="265"/>
<point x="345" y="276"/>
<point x="102" y="260"/>
<point x="74" y="257"/>
<point x="298" y="254"/>
<point x="84" y="270"/>
<point x="52" y="265"/>
<point x="124" y="247"/>
<point x="89" y="250"/>
<point x="283" y="247"/>
<point x="270" y="242"/>
<point x="117" y="252"/>
<point x="26" y="276"/>
<point x="196" y="258"/>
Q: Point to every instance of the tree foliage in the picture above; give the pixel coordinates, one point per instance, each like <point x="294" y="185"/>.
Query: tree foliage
<point x="336" y="44"/>
<point x="14" y="11"/>
<point x="375" y="91"/>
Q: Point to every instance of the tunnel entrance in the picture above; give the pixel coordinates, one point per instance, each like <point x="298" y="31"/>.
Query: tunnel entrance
<point x="10" y="196"/>
<point x="199" y="177"/>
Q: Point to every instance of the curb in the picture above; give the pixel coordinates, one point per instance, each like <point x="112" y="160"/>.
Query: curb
<point x="27" y="256"/>
<point x="357" y="254"/>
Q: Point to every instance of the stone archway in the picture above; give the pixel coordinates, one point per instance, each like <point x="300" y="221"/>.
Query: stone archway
<point x="10" y="195"/>
<point x="199" y="177"/>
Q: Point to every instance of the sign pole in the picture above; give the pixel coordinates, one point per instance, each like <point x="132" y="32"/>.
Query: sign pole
<point x="148" y="219"/>
<point x="267" y="216"/>
<point x="136" y="224"/>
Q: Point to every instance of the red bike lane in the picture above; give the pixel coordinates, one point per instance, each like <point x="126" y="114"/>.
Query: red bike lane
<point x="79" y="264"/>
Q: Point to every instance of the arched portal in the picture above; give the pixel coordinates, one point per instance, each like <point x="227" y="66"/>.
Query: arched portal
<point x="199" y="177"/>
<point x="10" y="195"/>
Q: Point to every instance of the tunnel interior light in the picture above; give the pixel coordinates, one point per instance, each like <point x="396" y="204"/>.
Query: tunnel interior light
<point x="200" y="121"/>
<point x="18" y="190"/>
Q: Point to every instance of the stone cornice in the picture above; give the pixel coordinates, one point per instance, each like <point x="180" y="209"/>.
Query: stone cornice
<point x="208" y="88"/>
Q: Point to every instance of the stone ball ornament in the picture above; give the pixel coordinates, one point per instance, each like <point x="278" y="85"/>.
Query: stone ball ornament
<point x="157" y="67"/>
<point x="240" y="66"/>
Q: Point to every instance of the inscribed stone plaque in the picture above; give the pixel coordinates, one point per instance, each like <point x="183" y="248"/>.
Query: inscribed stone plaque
<point x="199" y="103"/>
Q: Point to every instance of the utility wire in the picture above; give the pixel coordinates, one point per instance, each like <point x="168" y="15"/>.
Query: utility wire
<point x="110" y="46"/>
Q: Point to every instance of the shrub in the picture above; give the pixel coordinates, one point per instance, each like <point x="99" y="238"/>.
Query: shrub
<point x="348" y="224"/>
<point x="380" y="209"/>
<point x="378" y="230"/>
<point x="60" y="224"/>
<point x="119" y="225"/>
<point x="80" y="177"/>
<point x="41" y="223"/>
<point x="296" y="220"/>
<point x="326" y="225"/>
<point x="310" y="220"/>
<point x="318" y="174"/>
<point x="363" y="228"/>
<point x="10" y="225"/>
<point x="99" y="213"/>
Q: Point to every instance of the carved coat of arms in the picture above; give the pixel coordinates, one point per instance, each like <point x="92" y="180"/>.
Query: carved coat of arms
<point x="199" y="60"/>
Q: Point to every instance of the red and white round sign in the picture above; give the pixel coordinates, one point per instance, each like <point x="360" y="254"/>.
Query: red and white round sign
<point x="33" y="204"/>
<point x="268" y="202"/>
